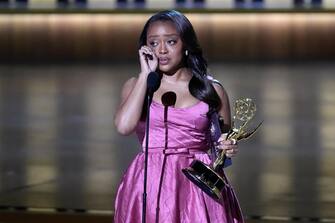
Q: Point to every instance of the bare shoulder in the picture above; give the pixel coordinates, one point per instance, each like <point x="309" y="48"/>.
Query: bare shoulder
<point x="220" y="91"/>
<point x="225" y="105"/>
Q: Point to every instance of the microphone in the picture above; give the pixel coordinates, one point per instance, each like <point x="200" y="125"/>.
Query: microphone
<point x="153" y="82"/>
<point x="169" y="98"/>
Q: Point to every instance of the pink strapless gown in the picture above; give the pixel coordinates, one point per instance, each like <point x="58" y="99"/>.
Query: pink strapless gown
<point x="171" y="197"/>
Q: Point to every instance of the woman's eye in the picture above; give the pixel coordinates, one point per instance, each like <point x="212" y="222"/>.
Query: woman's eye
<point x="153" y="44"/>
<point x="172" y="42"/>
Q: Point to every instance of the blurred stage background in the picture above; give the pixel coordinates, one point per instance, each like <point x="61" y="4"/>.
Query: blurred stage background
<point x="63" y="64"/>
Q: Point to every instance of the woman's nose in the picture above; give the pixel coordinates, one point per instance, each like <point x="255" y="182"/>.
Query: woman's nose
<point x="162" y="49"/>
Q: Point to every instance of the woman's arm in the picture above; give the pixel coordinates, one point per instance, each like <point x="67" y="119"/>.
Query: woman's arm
<point x="129" y="110"/>
<point x="225" y="105"/>
<point x="133" y="93"/>
<point x="229" y="146"/>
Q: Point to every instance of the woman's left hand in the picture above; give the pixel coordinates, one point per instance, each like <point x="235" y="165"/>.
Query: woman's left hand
<point x="228" y="146"/>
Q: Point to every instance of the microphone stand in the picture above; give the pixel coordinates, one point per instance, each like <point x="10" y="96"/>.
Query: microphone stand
<point x="168" y="99"/>
<point x="153" y="83"/>
<point x="144" y="208"/>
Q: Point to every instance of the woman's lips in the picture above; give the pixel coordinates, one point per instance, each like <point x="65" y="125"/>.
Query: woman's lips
<point x="163" y="61"/>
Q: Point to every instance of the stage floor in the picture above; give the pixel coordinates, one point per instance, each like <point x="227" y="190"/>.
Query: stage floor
<point x="59" y="148"/>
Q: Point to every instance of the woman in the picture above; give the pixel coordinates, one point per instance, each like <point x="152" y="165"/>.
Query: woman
<point x="168" y="45"/>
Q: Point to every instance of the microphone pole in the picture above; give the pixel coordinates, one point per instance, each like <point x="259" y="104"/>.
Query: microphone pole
<point x="153" y="83"/>
<point x="168" y="99"/>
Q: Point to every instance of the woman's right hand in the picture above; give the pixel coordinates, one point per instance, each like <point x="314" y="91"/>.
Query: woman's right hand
<point x="147" y="65"/>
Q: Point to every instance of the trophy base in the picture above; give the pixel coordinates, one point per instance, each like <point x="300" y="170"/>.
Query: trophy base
<point x="207" y="179"/>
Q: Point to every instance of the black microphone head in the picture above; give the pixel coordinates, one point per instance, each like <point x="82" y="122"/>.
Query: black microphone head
<point x="169" y="98"/>
<point x="153" y="82"/>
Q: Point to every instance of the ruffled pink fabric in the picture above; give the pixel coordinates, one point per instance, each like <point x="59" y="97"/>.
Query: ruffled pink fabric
<point x="171" y="197"/>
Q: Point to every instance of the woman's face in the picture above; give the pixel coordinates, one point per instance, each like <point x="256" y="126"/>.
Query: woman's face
<point x="165" y="42"/>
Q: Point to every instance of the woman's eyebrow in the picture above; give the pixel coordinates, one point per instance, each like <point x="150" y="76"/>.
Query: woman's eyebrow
<point x="153" y="36"/>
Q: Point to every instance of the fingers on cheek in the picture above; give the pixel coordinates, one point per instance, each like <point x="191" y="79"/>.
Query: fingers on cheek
<point x="141" y="51"/>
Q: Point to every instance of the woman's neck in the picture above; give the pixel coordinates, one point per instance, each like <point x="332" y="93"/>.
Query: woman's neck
<point x="182" y="74"/>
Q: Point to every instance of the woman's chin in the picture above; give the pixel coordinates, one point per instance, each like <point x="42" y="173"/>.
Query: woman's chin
<point x="164" y="69"/>
<point x="169" y="70"/>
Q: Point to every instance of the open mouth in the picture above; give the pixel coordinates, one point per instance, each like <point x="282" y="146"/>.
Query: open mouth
<point x="163" y="61"/>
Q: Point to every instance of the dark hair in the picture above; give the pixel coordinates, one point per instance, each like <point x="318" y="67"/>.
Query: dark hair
<point x="199" y="86"/>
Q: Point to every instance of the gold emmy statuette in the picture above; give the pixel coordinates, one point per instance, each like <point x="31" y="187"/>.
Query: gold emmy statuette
<point x="208" y="177"/>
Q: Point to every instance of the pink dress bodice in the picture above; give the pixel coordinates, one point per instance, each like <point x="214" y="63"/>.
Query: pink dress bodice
<point x="181" y="127"/>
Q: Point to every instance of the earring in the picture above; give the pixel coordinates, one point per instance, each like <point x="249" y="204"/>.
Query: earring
<point x="186" y="52"/>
